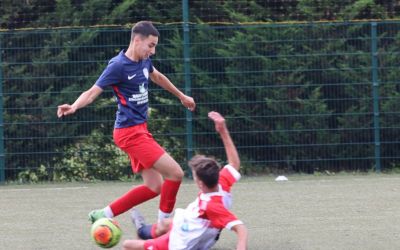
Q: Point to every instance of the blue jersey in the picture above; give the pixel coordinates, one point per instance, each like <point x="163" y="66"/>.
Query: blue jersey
<point x="129" y="81"/>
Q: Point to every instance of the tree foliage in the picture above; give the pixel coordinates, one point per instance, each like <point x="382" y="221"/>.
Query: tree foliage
<point x="303" y="88"/>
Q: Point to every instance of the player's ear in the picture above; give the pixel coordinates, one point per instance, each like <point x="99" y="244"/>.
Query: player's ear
<point x="201" y="184"/>
<point x="193" y="174"/>
<point x="137" y="38"/>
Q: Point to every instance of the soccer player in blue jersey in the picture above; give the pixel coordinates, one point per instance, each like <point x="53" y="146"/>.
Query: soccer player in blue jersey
<point x="128" y="75"/>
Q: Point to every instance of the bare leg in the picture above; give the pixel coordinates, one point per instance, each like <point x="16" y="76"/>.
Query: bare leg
<point x="163" y="227"/>
<point x="133" y="245"/>
<point x="168" y="168"/>
<point x="173" y="175"/>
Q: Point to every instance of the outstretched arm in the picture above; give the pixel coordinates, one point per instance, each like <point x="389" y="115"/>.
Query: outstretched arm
<point x="230" y="148"/>
<point x="162" y="81"/>
<point x="83" y="100"/>
<point x="241" y="232"/>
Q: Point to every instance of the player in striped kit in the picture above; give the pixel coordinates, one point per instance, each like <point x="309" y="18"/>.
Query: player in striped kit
<point x="199" y="225"/>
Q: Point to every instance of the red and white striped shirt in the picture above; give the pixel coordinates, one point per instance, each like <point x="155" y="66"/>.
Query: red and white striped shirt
<point x="197" y="226"/>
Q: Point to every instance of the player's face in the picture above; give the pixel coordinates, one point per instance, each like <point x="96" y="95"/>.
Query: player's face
<point x="147" y="46"/>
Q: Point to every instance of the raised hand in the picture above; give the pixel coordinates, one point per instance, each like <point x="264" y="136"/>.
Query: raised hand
<point x="218" y="120"/>
<point x="188" y="102"/>
<point x="64" y="110"/>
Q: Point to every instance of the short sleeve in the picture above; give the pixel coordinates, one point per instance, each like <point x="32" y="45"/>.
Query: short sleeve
<point x="111" y="75"/>
<point x="227" y="177"/>
<point x="221" y="217"/>
<point x="151" y="67"/>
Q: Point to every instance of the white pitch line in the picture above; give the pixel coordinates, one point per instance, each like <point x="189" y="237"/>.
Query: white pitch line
<point x="31" y="189"/>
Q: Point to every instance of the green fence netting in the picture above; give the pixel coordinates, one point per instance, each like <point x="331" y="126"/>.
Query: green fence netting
<point x="297" y="97"/>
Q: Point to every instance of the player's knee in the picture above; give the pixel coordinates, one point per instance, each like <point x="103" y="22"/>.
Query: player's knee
<point x="133" y="244"/>
<point x="178" y="175"/>
<point x="165" y="224"/>
<point x="175" y="174"/>
<point x="127" y="245"/>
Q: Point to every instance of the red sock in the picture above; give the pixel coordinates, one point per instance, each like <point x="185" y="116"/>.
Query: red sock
<point x="133" y="197"/>
<point x="169" y="191"/>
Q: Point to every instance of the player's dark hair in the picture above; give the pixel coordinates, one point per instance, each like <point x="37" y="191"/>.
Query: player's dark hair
<point x="206" y="169"/>
<point x="145" y="29"/>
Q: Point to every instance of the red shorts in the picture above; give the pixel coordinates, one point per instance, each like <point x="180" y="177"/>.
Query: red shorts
<point x="140" y="145"/>
<point x="159" y="243"/>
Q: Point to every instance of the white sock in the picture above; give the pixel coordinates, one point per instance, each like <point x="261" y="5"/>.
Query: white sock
<point x="162" y="215"/>
<point x="108" y="212"/>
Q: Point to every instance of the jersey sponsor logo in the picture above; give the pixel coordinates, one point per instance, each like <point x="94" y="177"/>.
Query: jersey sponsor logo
<point x="146" y="73"/>
<point x="149" y="248"/>
<point x="140" y="98"/>
<point x="185" y="227"/>
<point x="131" y="77"/>
<point x="142" y="89"/>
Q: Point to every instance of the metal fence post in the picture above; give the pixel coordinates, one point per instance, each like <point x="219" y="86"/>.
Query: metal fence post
<point x="375" y="95"/>
<point x="2" y="155"/>
<point x="188" y="87"/>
